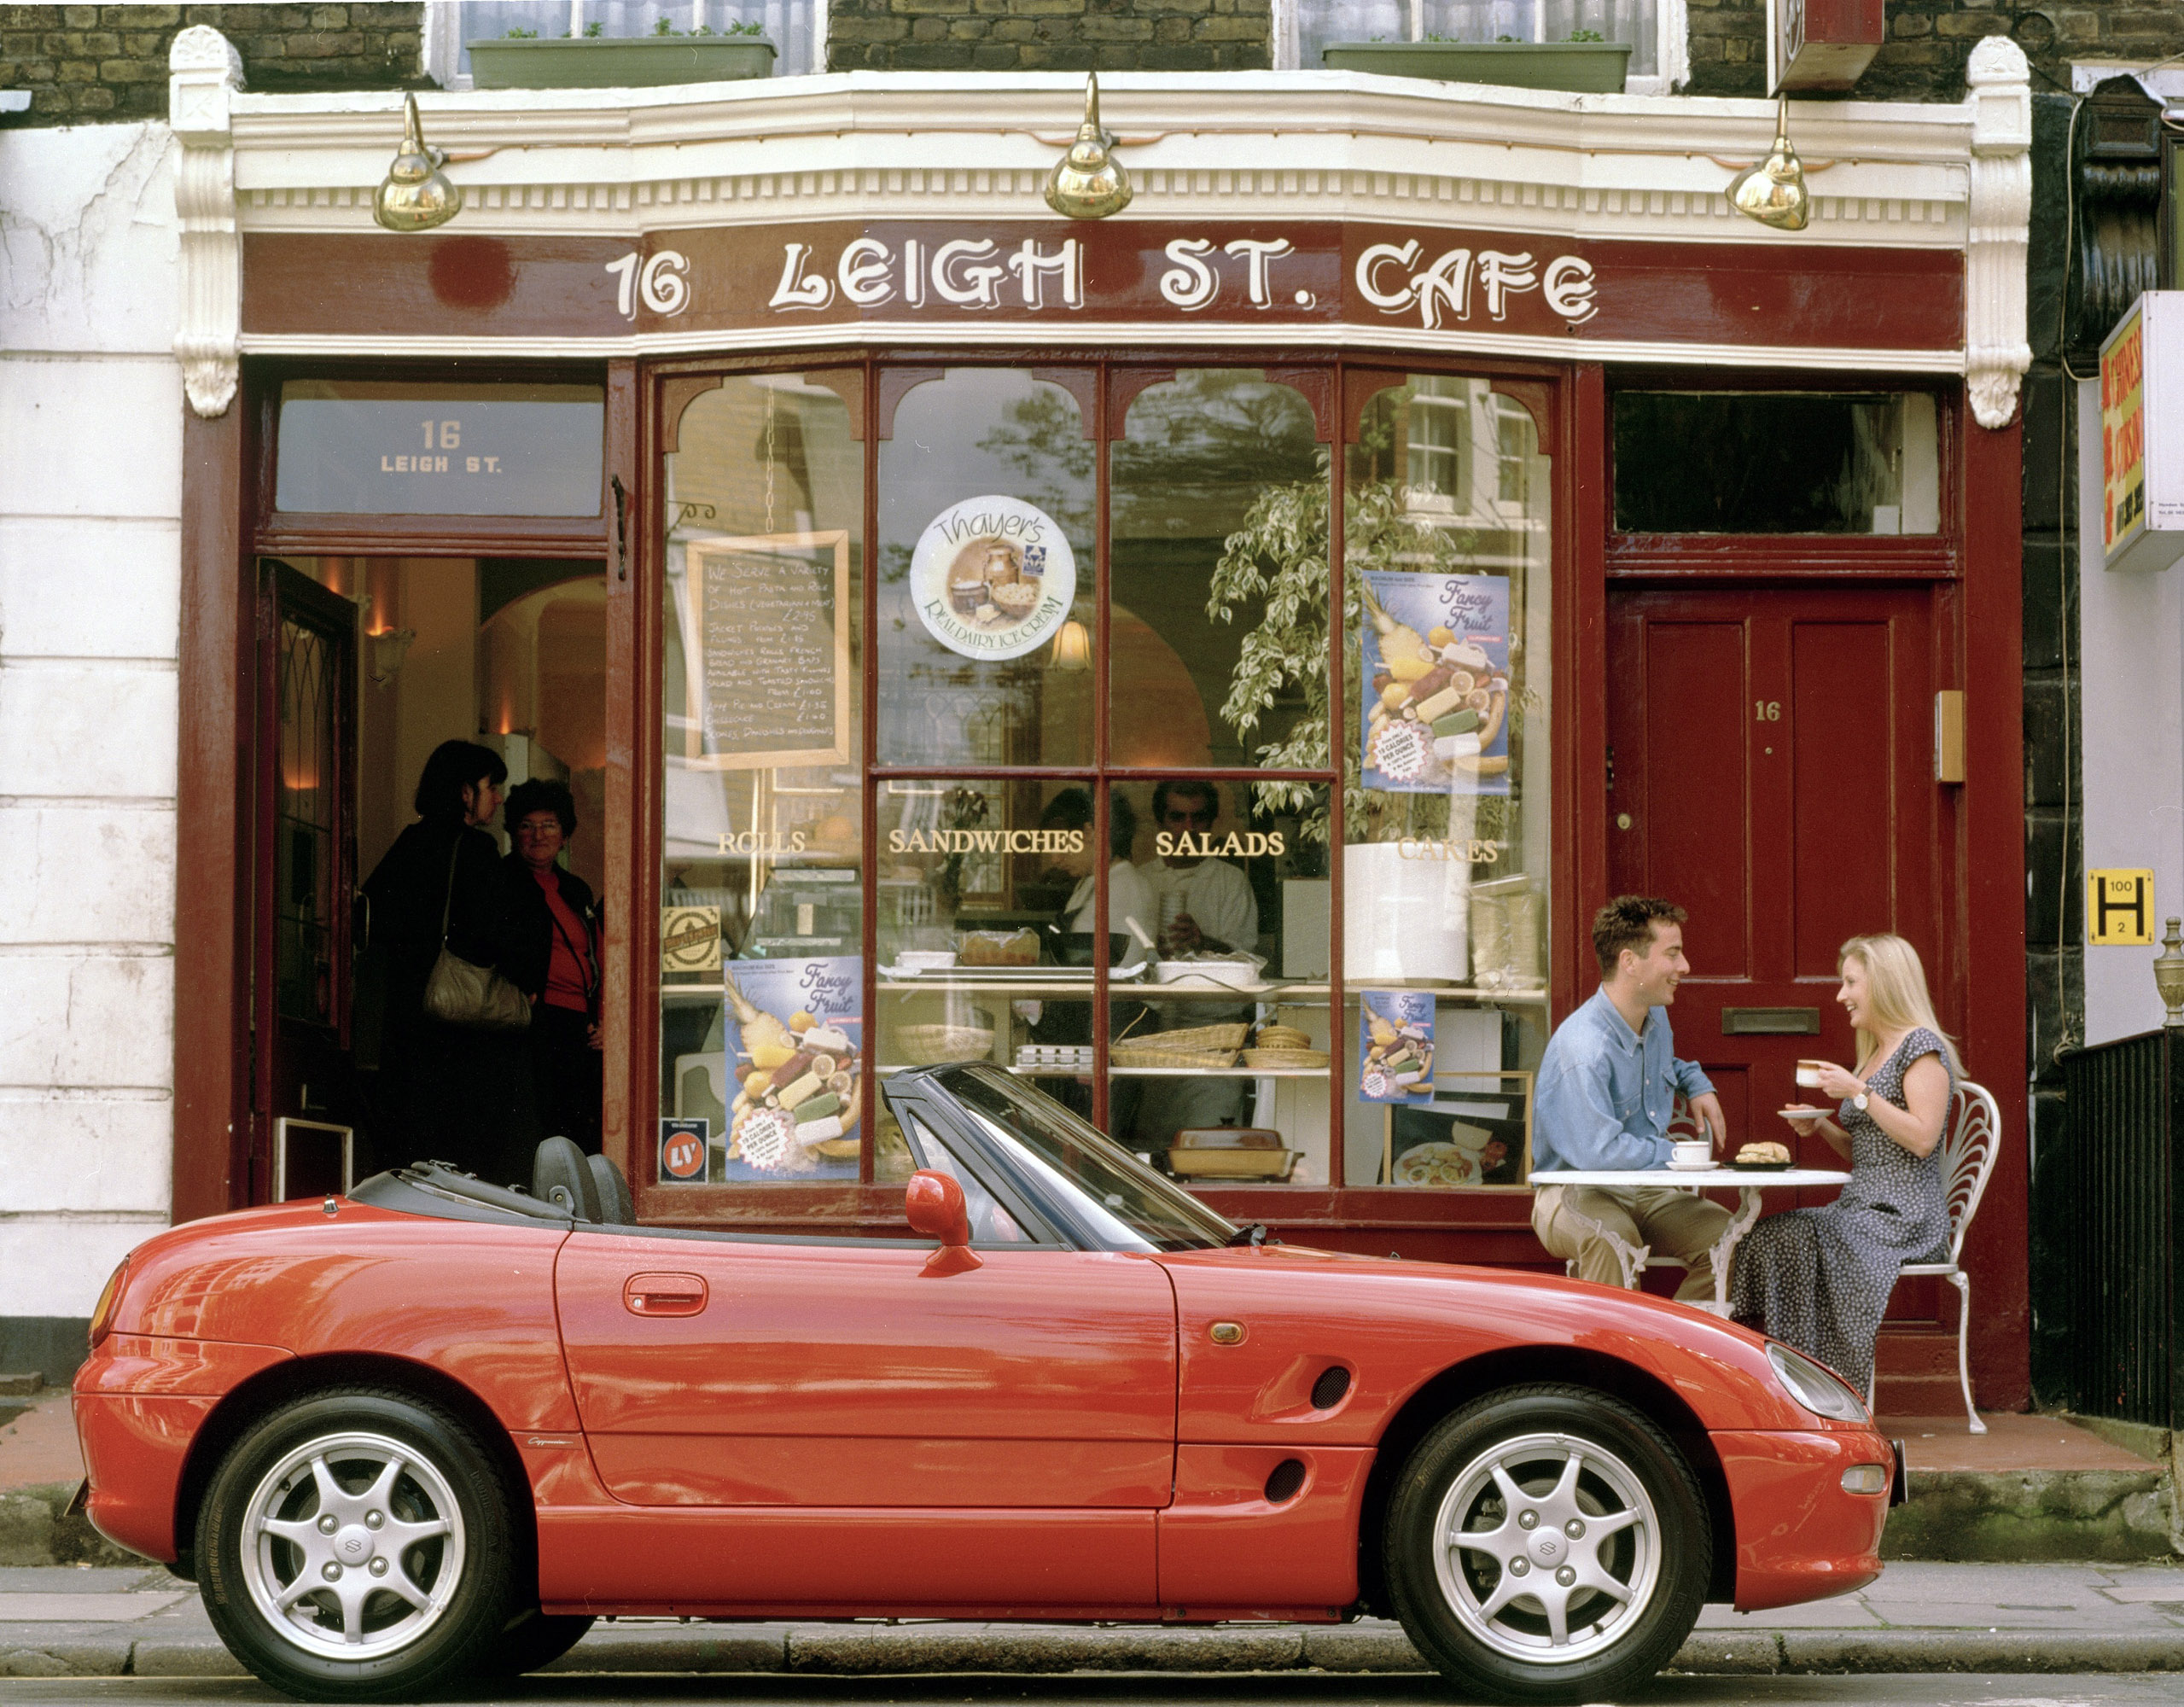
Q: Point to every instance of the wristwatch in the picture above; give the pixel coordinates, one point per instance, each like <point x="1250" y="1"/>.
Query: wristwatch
<point x="1859" y="1102"/>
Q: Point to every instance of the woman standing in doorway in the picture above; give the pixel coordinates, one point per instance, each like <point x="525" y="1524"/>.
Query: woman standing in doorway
<point x="1819" y="1279"/>
<point x="447" y="1092"/>
<point x="555" y="925"/>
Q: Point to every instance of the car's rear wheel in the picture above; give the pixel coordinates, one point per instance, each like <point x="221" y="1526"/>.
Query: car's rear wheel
<point x="1548" y="1544"/>
<point x="356" y="1546"/>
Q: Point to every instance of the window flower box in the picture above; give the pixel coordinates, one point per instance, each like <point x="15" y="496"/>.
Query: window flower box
<point x="616" y="62"/>
<point x="1575" y="68"/>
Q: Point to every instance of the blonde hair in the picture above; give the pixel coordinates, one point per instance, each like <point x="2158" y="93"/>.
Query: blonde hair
<point x="1896" y="991"/>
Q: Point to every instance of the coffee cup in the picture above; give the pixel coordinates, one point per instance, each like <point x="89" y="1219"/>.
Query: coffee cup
<point x="1808" y="1074"/>
<point x="1690" y="1152"/>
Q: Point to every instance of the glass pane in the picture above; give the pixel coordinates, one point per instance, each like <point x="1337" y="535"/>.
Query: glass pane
<point x="1776" y="463"/>
<point x="1216" y="485"/>
<point x="987" y="601"/>
<point x="792" y="25"/>
<point x="375" y="447"/>
<point x="1448" y="804"/>
<point x="1235" y="887"/>
<point x="1322" y="21"/>
<point x="309" y="684"/>
<point x="761" y="1017"/>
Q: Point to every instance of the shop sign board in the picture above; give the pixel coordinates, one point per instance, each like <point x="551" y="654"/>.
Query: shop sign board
<point x="2142" y="435"/>
<point x="2119" y="908"/>
<point x="766" y="650"/>
<point x="993" y="577"/>
<point x="1821" y="46"/>
<point x="1033" y="277"/>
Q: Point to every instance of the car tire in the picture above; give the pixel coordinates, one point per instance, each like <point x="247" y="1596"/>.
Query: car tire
<point x="357" y="1545"/>
<point x="1588" y="1552"/>
<point x="534" y="1640"/>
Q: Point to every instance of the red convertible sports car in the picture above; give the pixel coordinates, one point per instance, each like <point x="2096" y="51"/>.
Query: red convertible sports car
<point x="432" y="1429"/>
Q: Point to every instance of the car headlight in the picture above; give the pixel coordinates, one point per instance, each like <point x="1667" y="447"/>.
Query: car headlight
<point x="1818" y="1389"/>
<point x="103" y="1315"/>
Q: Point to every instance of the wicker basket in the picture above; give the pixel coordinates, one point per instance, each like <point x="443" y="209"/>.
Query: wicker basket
<point x="1145" y="1055"/>
<point x="934" y="1046"/>
<point x="1192" y="1037"/>
<point x="1277" y="1058"/>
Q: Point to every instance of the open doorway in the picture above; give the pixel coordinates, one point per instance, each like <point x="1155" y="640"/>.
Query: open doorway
<point x="368" y="665"/>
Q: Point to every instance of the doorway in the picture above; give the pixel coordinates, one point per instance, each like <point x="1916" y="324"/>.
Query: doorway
<point x="366" y="665"/>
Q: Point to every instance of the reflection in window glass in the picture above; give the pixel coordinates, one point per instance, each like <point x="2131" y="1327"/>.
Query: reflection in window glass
<point x="1209" y="481"/>
<point x="761" y="1022"/>
<point x="1448" y="804"/>
<point x="1776" y="463"/>
<point x="1320" y="22"/>
<point x="987" y="597"/>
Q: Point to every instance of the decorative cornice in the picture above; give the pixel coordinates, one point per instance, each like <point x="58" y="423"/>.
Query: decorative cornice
<point x="204" y="73"/>
<point x="1995" y="351"/>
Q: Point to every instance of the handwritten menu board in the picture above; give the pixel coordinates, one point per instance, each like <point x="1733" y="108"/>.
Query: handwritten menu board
<point x="767" y="651"/>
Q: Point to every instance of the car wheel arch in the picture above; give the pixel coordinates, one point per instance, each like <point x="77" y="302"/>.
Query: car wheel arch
<point x="303" y="1377"/>
<point x="1523" y="1366"/>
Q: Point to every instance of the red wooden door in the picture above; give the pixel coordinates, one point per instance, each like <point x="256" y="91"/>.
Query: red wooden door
<point x="1771" y="770"/>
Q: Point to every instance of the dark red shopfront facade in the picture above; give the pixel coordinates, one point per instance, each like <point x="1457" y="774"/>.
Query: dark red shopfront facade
<point x="1745" y="529"/>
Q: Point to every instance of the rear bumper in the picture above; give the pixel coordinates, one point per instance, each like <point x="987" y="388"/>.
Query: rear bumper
<point x="1801" y="1535"/>
<point x="139" y="1404"/>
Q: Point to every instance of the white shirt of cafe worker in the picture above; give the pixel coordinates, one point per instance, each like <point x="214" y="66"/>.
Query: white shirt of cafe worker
<point x="1215" y="894"/>
<point x="1129" y="899"/>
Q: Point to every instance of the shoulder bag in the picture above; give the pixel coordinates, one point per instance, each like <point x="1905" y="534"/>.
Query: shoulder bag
<point x="462" y="993"/>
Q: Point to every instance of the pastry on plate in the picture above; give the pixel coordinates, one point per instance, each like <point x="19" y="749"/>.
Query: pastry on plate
<point x="1765" y="1153"/>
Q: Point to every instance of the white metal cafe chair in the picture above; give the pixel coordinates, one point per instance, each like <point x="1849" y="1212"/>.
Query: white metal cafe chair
<point x="1637" y="1259"/>
<point x="1970" y="1143"/>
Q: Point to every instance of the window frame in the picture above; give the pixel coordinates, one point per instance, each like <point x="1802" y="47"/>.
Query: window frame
<point x="1671" y="45"/>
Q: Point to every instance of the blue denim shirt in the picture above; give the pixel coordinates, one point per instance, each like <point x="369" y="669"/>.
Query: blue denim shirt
<point x="1606" y="1094"/>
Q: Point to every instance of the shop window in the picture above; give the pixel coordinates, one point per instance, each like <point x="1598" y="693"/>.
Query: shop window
<point x="1208" y="480"/>
<point x="797" y="28"/>
<point x="986" y="594"/>
<point x="1446" y="802"/>
<point x="1314" y="24"/>
<point x="761" y="977"/>
<point x="1715" y="462"/>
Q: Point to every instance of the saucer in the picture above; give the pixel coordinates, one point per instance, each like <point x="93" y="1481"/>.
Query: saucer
<point x="1692" y="1167"/>
<point x="1804" y="1113"/>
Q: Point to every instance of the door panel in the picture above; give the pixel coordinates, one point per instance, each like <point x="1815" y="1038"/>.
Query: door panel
<point x="1769" y="772"/>
<point x="844" y="1375"/>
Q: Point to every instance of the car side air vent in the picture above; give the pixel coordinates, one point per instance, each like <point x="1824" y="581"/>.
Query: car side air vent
<point x="1287" y="1477"/>
<point x="1327" y="1391"/>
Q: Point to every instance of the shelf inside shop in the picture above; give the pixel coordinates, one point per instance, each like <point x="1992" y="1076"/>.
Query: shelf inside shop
<point x="1141" y="1072"/>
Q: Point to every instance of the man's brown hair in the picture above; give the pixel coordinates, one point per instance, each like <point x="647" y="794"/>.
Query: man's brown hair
<point x="1627" y="922"/>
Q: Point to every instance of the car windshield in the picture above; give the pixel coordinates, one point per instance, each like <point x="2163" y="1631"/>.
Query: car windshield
<point x="1105" y="1186"/>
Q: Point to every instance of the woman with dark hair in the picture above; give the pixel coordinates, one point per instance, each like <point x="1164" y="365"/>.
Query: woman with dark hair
<point x="448" y="1092"/>
<point x="555" y="960"/>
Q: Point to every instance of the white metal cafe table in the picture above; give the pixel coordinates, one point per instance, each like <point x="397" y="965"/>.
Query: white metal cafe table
<point x="1747" y="1182"/>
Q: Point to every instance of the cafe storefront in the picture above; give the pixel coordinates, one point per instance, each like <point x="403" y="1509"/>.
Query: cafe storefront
<point x="1211" y="659"/>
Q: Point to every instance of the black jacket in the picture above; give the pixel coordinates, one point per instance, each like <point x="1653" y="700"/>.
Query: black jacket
<point x="530" y="927"/>
<point x="409" y="887"/>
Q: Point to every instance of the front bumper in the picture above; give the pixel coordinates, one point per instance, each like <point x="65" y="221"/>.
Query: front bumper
<point x="1801" y="1535"/>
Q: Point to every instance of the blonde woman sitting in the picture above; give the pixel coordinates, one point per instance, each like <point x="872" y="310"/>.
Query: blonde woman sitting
<point x="1819" y="1279"/>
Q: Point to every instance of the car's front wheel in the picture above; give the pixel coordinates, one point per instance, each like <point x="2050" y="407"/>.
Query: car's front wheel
<point x="356" y="1546"/>
<point x="1548" y="1544"/>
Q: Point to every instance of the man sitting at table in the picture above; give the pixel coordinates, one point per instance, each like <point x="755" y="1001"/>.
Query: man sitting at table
<point x="1607" y="1087"/>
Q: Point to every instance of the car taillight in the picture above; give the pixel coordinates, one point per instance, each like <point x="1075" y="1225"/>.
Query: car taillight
<point x="102" y="1316"/>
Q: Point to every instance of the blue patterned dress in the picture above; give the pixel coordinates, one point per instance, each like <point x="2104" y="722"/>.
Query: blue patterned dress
<point x="1819" y="1279"/>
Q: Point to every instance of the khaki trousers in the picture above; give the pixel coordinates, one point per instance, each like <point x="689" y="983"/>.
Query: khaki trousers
<point x="1583" y="1222"/>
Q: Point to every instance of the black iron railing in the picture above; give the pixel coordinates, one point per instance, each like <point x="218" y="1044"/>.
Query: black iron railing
<point x="2121" y="1188"/>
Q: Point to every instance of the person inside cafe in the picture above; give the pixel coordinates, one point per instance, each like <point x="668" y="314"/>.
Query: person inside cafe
<point x="1607" y="1088"/>
<point x="553" y="958"/>
<point x="447" y="1092"/>
<point x="1819" y="1278"/>
<point x="1205" y="906"/>
<point x="1132" y="913"/>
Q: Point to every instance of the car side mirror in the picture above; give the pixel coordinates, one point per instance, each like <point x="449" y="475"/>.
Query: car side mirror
<point x="935" y="1204"/>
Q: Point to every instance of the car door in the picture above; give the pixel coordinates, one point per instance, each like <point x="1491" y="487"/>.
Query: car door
<point x="770" y="1373"/>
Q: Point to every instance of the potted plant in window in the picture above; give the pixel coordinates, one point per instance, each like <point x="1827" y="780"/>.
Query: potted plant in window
<point x="1584" y="64"/>
<point x="523" y="59"/>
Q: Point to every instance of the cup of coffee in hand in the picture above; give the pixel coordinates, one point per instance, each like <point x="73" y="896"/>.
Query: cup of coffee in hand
<point x="1808" y="1074"/>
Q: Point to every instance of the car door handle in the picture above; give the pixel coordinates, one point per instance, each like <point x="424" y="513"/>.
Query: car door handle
<point x="663" y="1294"/>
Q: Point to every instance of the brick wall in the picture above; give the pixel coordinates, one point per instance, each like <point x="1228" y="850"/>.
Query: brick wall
<point x="1049" y="35"/>
<point x="1930" y="40"/>
<point x="103" y="64"/>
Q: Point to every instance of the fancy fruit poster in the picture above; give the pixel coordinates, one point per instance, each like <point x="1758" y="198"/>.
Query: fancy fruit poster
<point x="794" y="1037"/>
<point x="1435" y="714"/>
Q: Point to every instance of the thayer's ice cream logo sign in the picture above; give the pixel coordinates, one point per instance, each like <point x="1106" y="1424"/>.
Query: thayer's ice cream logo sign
<point x="1460" y="283"/>
<point x="992" y="576"/>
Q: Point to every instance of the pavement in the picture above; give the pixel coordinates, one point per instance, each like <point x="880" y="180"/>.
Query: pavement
<point x="87" y="1622"/>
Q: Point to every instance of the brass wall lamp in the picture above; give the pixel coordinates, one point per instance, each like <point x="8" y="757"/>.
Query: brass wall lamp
<point x="416" y="195"/>
<point x="1772" y="191"/>
<point x="1088" y="183"/>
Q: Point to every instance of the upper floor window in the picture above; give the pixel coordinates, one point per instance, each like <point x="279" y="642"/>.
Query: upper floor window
<point x="797" y="28"/>
<point x="1654" y="28"/>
